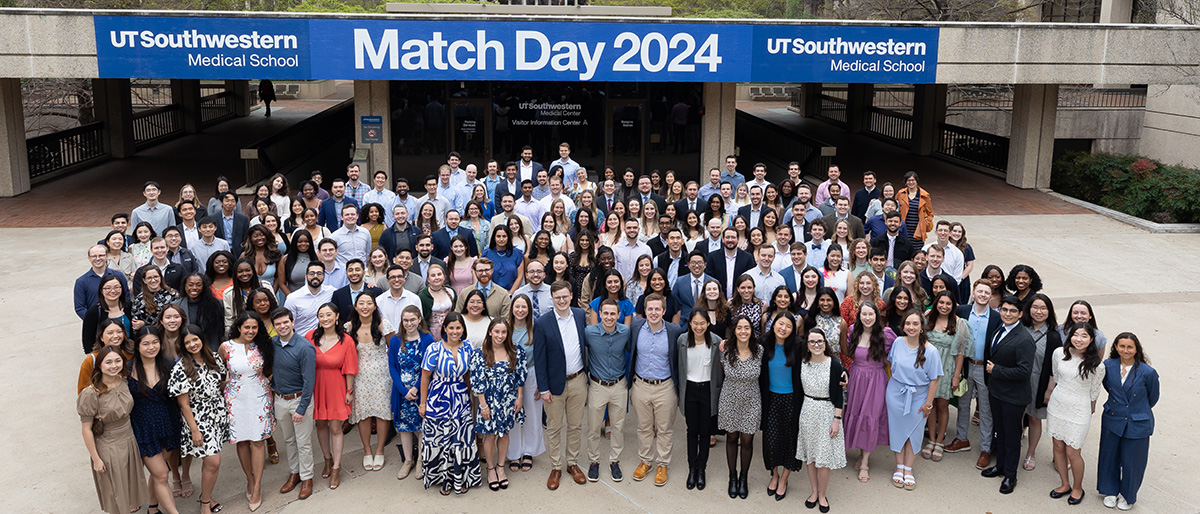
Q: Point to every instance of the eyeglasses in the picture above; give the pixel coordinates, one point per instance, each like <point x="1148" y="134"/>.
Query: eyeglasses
<point x="816" y="341"/>
<point x="111" y="288"/>
<point x="1009" y="310"/>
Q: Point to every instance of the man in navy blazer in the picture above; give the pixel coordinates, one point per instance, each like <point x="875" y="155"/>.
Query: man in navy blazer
<point x="509" y="183"/>
<point x="718" y="261"/>
<point x="652" y="376"/>
<point x="1009" y="357"/>
<point x="240" y="223"/>
<point x="528" y="168"/>
<point x="682" y="289"/>
<point x="690" y="202"/>
<point x="330" y="213"/>
<point x="559" y="361"/>
<point x="792" y="274"/>
<point x="645" y="194"/>
<point x="345" y="296"/>
<point x="756" y="210"/>
<point x="442" y="237"/>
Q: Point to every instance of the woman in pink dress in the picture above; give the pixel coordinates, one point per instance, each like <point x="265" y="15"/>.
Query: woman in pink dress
<point x="333" y="389"/>
<point x="866" y="423"/>
<point x="460" y="264"/>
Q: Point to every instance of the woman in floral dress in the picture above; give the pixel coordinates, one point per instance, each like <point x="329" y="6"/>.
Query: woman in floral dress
<point x="197" y="380"/>
<point x="498" y="374"/>
<point x="745" y="303"/>
<point x="405" y="352"/>
<point x="372" y="407"/>
<point x="448" y="451"/>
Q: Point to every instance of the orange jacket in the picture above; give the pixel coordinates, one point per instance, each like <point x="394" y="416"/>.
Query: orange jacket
<point x="925" y="210"/>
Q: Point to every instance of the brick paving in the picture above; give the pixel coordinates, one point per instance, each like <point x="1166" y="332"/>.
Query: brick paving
<point x="954" y="190"/>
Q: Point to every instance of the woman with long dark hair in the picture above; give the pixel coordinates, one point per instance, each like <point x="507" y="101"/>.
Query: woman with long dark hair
<point x="234" y="298"/>
<point x="1081" y="312"/>
<point x="900" y="301"/>
<point x="739" y="408"/>
<point x="171" y="320"/>
<point x="1039" y="319"/>
<point x="746" y="303"/>
<point x="818" y="378"/>
<point x="448" y="452"/>
<point x="333" y="389"/>
<point x="203" y="310"/>
<point x="263" y="252"/>
<point x="371" y="409"/>
<point x="781" y="407"/>
<point x="109" y="333"/>
<point x="811" y="282"/>
<point x="657" y="283"/>
<point x="995" y="277"/>
<point x="1127" y="422"/>
<point x="219" y="270"/>
<point x="825" y="316"/>
<point x="498" y="373"/>
<point x="613" y="289"/>
<point x="197" y="381"/>
<point x="104" y="408"/>
<point x="508" y="271"/>
<point x="605" y="260"/>
<point x="916" y="371"/>
<point x="699" y="362"/>
<point x="950" y="335"/>
<point x="113" y="304"/>
<point x="712" y="299"/>
<point x="155" y="417"/>
<point x="151" y="297"/>
<point x="300" y="252"/>
<point x="715" y="208"/>
<point x="866" y="425"/>
<point x="1070" y="402"/>
<point x="249" y="355"/>
<point x="1023" y="281"/>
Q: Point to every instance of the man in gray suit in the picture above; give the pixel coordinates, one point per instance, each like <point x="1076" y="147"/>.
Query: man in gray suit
<point x="688" y="289"/>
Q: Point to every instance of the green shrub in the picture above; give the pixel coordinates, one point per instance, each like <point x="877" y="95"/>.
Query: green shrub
<point x="1131" y="184"/>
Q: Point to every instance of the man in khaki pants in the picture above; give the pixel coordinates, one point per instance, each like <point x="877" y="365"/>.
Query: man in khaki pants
<point x="606" y="344"/>
<point x="653" y="380"/>
<point x="294" y="374"/>
<point x="558" y="360"/>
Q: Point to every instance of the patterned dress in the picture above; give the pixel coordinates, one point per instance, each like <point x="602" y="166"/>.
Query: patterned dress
<point x="404" y="363"/>
<point x="247" y="394"/>
<point x="373" y="384"/>
<point x="754" y="312"/>
<point x="499" y="387"/>
<point x="448" y="452"/>
<point x="438" y="313"/>
<point x="739" y="408"/>
<point x="162" y="298"/>
<point x="832" y="326"/>
<point x="813" y="444"/>
<point x="207" y="404"/>
<point x="950" y="347"/>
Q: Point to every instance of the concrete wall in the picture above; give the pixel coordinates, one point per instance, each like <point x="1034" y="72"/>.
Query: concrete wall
<point x="1114" y="130"/>
<point x="1171" y="131"/>
<point x="47" y="45"/>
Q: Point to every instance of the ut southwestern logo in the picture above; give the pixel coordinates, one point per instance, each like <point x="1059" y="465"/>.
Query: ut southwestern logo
<point x="196" y="40"/>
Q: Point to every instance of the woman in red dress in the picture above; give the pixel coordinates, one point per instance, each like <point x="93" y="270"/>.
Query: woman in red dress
<point x="333" y="391"/>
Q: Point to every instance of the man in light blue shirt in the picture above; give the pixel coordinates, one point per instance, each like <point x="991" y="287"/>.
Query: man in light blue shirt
<point x="353" y="241"/>
<point x="440" y="205"/>
<point x="305" y="301"/>
<point x="457" y="176"/>
<point x="492" y="179"/>
<point x="536" y="288"/>
<point x="654" y="385"/>
<point x="355" y="189"/>
<point x="731" y="174"/>
<point x="713" y="187"/>
<point x="335" y="275"/>
<point x="542" y="189"/>
<point x="569" y="166"/>
<point x="446" y="189"/>
<point x="159" y="216"/>
<point x="607" y="342"/>
<point x="381" y="194"/>
<point x="209" y="243"/>
<point x="817" y="246"/>
<point x="765" y="279"/>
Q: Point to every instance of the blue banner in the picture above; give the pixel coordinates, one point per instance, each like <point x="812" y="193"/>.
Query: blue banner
<point x="283" y="48"/>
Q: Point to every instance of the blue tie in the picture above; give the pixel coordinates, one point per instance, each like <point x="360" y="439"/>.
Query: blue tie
<point x="534" y="298"/>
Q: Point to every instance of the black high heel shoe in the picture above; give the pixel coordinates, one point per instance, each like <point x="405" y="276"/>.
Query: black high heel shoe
<point x="1076" y="501"/>
<point x="733" y="484"/>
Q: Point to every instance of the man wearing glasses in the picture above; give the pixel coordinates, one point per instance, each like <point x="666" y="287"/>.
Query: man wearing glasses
<point x="1009" y="356"/>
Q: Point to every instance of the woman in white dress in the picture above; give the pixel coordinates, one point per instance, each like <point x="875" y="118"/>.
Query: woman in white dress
<point x="371" y="407"/>
<point x="1070" y="402"/>
<point x="248" y="357"/>
<point x="476" y="318"/>
<point x="820" y="442"/>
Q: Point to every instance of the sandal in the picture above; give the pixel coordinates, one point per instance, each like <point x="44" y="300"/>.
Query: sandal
<point x="153" y="506"/>
<point x="927" y="451"/>
<point x="492" y="484"/>
<point x="910" y="482"/>
<point x="444" y="492"/>
<point x="185" y="488"/>
<point x="176" y="489"/>
<point x="1029" y="464"/>
<point x="213" y="506"/>
<point x="514" y="465"/>
<point x="526" y="463"/>
<point x="863" y="474"/>
<point x="936" y="454"/>
<point x="898" y="477"/>
<point x="503" y="478"/>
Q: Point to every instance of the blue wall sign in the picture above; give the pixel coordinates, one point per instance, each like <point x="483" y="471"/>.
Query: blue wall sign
<point x="282" y="48"/>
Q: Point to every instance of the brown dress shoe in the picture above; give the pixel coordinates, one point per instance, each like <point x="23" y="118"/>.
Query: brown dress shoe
<point x="292" y="481"/>
<point x="958" y="445"/>
<point x="577" y="474"/>
<point x="985" y="458"/>
<point x="555" y="476"/>
<point x="305" y="489"/>
<point x="660" y="476"/>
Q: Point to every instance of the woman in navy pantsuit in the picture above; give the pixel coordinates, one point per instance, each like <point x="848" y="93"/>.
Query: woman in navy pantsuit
<point x="1127" y="422"/>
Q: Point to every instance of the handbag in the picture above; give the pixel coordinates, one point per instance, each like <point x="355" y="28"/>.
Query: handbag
<point x="961" y="388"/>
<point x="97" y="427"/>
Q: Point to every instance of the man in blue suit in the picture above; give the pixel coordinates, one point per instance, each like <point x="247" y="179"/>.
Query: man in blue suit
<point x="755" y="211"/>
<point x="559" y="361"/>
<point x="345" y="297"/>
<point x="688" y="289"/>
<point x="793" y="275"/>
<point x="442" y="237"/>
<point x="330" y="214"/>
<point x="652" y="376"/>
<point x="719" y="261"/>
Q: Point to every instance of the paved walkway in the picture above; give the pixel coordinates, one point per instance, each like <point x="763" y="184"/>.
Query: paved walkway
<point x="90" y="197"/>
<point x="954" y="190"/>
<point x="1078" y="256"/>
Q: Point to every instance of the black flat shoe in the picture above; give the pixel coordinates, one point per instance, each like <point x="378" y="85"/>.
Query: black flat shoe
<point x="700" y="479"/>
<point x="691" y="479"/>
<point x="811" y="505"/>
<point x="1076" y="501"/>
<point x="823" y="508"/>
<point x="733" y="485"/>
<point x="1056" y="495"/>
<point x="743" y="488"/>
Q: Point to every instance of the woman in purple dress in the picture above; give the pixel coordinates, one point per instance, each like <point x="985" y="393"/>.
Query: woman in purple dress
<point x="866" y="423"/>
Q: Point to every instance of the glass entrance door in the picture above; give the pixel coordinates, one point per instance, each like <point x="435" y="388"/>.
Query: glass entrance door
<point x="471" y="134"/>
<point x="626" y="135"/>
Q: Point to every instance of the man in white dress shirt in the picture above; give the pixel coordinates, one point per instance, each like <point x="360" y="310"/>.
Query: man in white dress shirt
<point x="765" y="278"/>
<point x="627" y="251"/>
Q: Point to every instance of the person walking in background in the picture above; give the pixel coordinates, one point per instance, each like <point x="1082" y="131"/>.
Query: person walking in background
<point x="266" y="93"/>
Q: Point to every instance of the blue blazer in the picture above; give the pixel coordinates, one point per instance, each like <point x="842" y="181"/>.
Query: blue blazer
<point x="673" y="332"/>
<point x="341" y="298"/>
<point x="716" y="266"/>
<point x="682" y="292"/>
<point x="549" y="359"/>
<point x="441" y="242"/>
<point x="328" y="216"/>
<point x="1127" y="413"/>
<point x="789" y="278"/>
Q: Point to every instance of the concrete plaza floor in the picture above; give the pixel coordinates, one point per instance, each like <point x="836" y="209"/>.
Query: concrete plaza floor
<point x="1136" y="281"/>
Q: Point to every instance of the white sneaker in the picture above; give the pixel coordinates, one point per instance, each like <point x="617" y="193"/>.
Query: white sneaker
<point x="1122" y="505"/>
<point x="1110" y="501"/>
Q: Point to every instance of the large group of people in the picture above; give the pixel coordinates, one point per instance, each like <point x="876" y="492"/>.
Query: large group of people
<point x="484" y="322"/>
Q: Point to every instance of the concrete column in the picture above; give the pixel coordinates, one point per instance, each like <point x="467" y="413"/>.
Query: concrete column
<point x="1031" y="143"/>
<point x="372" y="98"/>
<point x="720" y="114"/>
<point x="186" y="94"/>
<point x="1116" y="11"/>
<point x="929" y="110"/>
<point x="241" y="96"/>
<point x="114" y="106"/>
<point x="859" y="99"/>
<point x="810" y="96"/>
<point x="14" y="157"/>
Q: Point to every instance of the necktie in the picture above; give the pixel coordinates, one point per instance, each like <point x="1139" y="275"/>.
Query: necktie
<point x="999" y="336"/>
<point x="534" y="298"/>
<point x="610" y="203"/>
<point x="695" y="289"/>
<point x="692" y="205"/>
